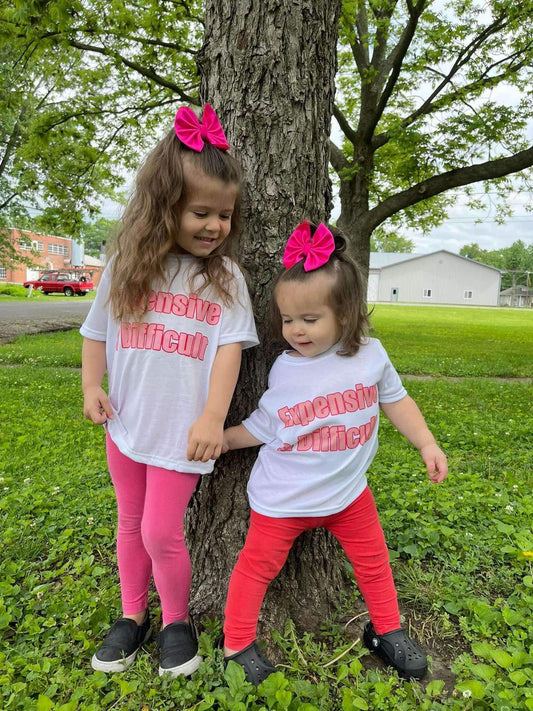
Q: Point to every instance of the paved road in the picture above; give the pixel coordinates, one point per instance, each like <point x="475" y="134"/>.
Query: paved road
<point x="51" y="314"/>
<point x="67" y="308"/>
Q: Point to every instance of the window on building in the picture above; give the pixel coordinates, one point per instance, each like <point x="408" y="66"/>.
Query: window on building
<point x="427" y="293"/>
<point x="35" y="245"/>
<point x="58" y="249"/>
<point x="467" y="294"/>
<point x="2" y="272"/>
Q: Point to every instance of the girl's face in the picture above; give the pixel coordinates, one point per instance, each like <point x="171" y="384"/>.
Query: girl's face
<point x="309" y="324"/>
<point x="206" y="215"/>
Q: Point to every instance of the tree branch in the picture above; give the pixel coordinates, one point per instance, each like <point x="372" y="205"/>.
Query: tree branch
<point x="337" y="158"/>
<point x="147" y="72"/>
<point x="446" y="181"/>
<point x="344" y="125"/>
<point x="393" y="64"/>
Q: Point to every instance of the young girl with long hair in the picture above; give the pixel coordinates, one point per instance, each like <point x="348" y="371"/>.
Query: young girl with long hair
<point x="318" y="424"/>
<point x="170" y="318"/>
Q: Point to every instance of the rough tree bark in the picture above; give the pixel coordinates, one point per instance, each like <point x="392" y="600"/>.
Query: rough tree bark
<point x="268" y="67"/>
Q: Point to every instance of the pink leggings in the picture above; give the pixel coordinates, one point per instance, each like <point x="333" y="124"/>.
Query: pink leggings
<point x="267" y="546"/>
<point x="151" y="506"/>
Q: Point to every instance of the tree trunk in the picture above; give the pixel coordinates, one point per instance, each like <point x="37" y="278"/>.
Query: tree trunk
<point x="354" y="198"/>
<point x="267" y="67"/>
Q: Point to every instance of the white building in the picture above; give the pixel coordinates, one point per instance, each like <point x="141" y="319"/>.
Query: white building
<point x="440" y="277"/>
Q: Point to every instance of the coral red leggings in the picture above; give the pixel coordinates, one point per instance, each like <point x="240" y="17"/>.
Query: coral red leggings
<point x="151" y="507"/>
<point x="267" y="546"/>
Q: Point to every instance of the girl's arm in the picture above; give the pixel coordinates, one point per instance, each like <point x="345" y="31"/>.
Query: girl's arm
<point x="206" y="434"/>
<point x="238" y="437"/>
<point x="96" y="405"/>
<point x="409" y="421"/>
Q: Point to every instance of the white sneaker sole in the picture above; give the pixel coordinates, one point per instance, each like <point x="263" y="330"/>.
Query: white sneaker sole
<point x="112" y="667"/>
<point x="186" y="669"/>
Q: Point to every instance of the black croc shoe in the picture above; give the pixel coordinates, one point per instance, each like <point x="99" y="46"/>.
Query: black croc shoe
<point x="121" y="644"/>
<point x="256" y="666"/>
<point x="179" y="649"/>
<point x="397" y="650"/>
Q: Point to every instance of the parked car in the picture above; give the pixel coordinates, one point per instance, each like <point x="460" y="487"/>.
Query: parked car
<point x="62" y="282"/>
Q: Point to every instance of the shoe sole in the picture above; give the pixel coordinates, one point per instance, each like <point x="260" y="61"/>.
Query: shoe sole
<point x="186" y="669"/>
<point x="114" y="666"/>
<point x="117" y="665"/>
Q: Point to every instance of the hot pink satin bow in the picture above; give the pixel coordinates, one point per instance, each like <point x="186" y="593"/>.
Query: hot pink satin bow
<point x="316" y="252"/>
<point x="194" y="134"/>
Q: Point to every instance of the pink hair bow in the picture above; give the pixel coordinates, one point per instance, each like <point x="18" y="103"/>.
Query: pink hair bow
<point x="316" y="252"/>
<point x="194" y="134"/>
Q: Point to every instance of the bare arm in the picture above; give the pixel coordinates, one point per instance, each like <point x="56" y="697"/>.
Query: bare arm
<point x="409" y="421"/>
<point x="238" y="437"/>
<point x="96" y="405"/>
<point x="206" y="434"/>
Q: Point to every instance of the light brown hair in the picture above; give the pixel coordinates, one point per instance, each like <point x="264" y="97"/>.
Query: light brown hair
<point x="347" y="297"/>
<point x="151" y="223"/>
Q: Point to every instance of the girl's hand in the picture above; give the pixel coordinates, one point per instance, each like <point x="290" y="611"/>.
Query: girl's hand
<point x="435" y="461"/>
<point x="205" y="438"/>
<point x="96" y="405"/>
<point x="225" y="443"/>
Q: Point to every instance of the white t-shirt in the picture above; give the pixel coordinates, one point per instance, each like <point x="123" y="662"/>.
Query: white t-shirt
<point x="319" y="422"/>
<point x="159" y="368"/>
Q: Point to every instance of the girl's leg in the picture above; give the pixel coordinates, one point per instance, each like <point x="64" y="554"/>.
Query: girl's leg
<point x="134" y="564"/>
<point x="359" y="532"/>
<point x="167" y="496"/>
<point x="265" y="551"/>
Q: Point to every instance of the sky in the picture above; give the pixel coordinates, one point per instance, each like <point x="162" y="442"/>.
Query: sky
<point x="463" y="227"/>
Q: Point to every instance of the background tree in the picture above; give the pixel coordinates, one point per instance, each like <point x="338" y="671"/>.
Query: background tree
<point x="516" y="261"/>
<point x="94" y="234"/>
<point x="425" y="105"/>
<point x="81" y="100"/>
<point x="385" y="241"/>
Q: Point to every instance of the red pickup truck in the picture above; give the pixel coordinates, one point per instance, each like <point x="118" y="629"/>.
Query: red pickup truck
<point x="62" y="282"/>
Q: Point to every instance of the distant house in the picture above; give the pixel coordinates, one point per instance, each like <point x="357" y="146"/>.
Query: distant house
<point x="440" y="277"/>
<point x="517" y="296"/>
<point x="47" y="252"/>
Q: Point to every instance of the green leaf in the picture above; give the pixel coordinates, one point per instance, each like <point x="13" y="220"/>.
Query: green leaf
<point x="44" y="703"/>
<point x="474" y="687"/>
<point x="518" y="677"/>
<point x="435" y="687"/>
<point x="483" y="671"/>
<point x="502" y="658"/>
<point x="483" y="650"/>
<point x="512" y="617"/>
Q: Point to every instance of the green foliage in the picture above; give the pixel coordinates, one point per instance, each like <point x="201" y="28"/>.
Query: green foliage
<point x="97" y="232"/>
<point x="16" y="290"/>
<point x="382" y="241"/>
<point x="86" y="89"/>
<point x="417" y="100"/>
<point x="462" y="552"/>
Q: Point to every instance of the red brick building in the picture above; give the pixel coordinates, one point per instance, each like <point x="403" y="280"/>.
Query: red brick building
<point x="49" y="252"/>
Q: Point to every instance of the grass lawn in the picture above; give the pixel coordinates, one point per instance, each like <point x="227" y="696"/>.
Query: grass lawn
<point x="462" y="552"/>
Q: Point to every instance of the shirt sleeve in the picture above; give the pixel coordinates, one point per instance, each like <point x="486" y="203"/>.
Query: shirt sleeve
<point x="238" y="324"/>
<point x="260" y="424"/>
<point x="95" y="325"/>
<point x="390" y="387"/>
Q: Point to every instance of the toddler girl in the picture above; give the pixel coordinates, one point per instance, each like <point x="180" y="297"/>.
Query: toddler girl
<point x="318" y="423"/>
<point x="170" y="318"/>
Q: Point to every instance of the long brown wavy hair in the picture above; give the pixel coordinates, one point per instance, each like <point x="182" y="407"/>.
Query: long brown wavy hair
<point x="151" y="222"/>
<point x="347" y="297"/>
